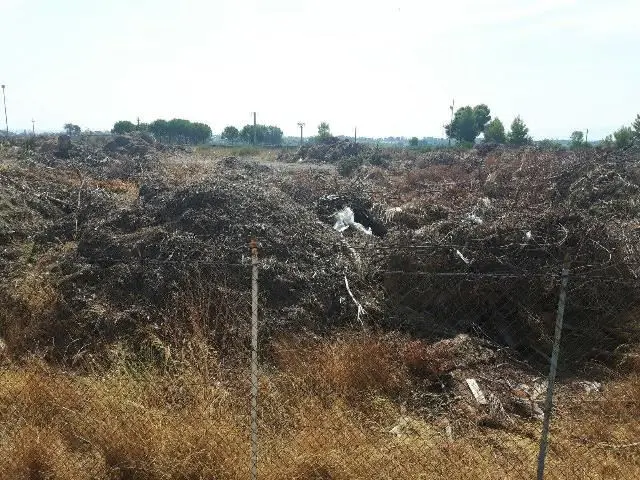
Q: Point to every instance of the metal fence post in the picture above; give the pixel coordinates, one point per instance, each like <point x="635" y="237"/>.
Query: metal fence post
<point x="548" y="406"/>
<point x="254" y="359"/>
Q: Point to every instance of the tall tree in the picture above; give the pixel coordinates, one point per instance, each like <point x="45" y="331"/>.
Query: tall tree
<point x="72" y="129"/>
<point x="324" y="131"/>
<point x="623" y="137"/>
<point x="265" y="134"/>
<point x="159" y="129"/>
<point x="230" y="133"/>
<point x="577" y="139"/>
<point x="519" y="134"/>
<point x="468" y="123"/>
<point x="482" y="114"/>
<point x="123" y="126"/>
<point x="413" y="142"/>
<point x="494" y="132"/>
<point x="463" y="127"/>
<point x="636" y="129"/>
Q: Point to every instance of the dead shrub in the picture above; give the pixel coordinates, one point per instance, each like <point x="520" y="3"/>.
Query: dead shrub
<point x="428" y="360"/>
<point x="349" y="366"/>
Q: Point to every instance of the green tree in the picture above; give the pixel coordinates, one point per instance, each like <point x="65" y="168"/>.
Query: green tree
<point x="159" y="129"/>
<point x="463" y="127"/>
<point x="230" y="133"/>
<point x="636" y="129"/>
<point x="468" y="123"/>
<point x="413" y="142"/>
<point x="324" y="131"/>
<point x="265" y="134"/>
<point x="623" y="137"/>
<point x="482" y="115"/>
<point x="494" y="132"/>
<point x="519" y="134"/>
<point x="199" y="132"/>
<point x="577" y="139"/>
<point x="123" y="126"/>
<point x="72" y="129"/>
<point x="178" y="130"/>
<point x="608" y="142"/>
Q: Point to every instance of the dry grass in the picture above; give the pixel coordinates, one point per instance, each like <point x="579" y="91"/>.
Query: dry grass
<point x="327" y="408"/>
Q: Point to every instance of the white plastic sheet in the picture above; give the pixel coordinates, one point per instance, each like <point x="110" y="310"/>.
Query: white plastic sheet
<point x="345" y="219"/>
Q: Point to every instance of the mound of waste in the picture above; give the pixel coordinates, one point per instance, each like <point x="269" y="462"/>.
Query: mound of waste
<point x="113" y="263"/>
<point x="490" y="261"/>
<point x="98" y="251"/>
<point x="330" y="150"/>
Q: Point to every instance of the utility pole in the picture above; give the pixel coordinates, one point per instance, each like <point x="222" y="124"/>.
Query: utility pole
<point x="138" y="123"/>
<point x="33" y="127"/>
<point x="586" y="137"/>
<point x="355" y="135"/>
<point x="301" y="125"/>
<point x="4" y="98"/>
<point x="453" y="104"/>
<point x="254" y="128"/>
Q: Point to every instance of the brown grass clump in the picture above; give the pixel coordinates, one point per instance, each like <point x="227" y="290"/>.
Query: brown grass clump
<point x="351" y="367"/>
<point x="136" y="423"/>
<point x="117" y="185"/>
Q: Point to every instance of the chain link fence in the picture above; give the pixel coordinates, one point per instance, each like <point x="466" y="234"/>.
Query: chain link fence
<point x="449" y="379"/>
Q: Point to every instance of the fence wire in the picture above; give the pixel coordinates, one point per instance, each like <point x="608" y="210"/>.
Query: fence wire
<point x="448" y="381"/>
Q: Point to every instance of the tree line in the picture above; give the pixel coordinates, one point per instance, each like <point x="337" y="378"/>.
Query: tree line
<point x="469" y="122"/>
<point x="260" y="134"/>
<point x="176" y="130"/>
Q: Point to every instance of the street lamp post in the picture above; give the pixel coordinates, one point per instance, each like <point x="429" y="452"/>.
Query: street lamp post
<point x="301" y="125"/>
<point x="4" y="98"/>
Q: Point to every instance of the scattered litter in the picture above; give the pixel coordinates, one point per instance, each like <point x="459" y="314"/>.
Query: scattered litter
<point x="475" y="389"/>
<point x="345" y="219"/>
<point x="401" y="427"/>
<point x="590" y="387"/>
<point x="391" y="212"/>
<point x="528" y="237"/>
<point x="475" y="219"/>
<point x="539" y="389"/>
<point x="462" y="257"/>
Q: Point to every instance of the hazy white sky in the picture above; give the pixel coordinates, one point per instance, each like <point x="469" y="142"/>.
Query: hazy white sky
<point x="388" y="67"/>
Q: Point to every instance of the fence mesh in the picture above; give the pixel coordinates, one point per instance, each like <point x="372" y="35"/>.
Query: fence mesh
<point x="448" y="381"/>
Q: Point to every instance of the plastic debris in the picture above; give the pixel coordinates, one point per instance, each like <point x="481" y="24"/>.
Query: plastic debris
<point x="475" y="390"/>
<point x="462" y="257"/>
<point x="345" y="219"/>
<point x="475" y="219"/>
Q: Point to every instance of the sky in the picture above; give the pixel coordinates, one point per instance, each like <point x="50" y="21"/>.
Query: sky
<point x="389" y="68"/>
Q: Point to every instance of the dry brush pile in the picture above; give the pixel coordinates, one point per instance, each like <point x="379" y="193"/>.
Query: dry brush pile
<point x="125" y="259"/>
